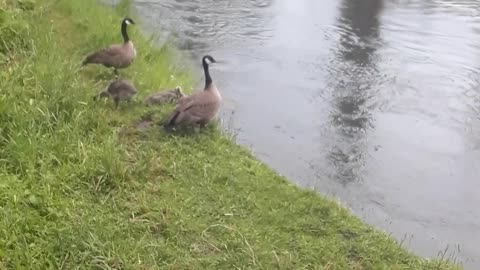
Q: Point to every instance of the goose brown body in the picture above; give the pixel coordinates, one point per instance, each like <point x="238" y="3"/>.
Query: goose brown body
<point x="116" y="56"/>
<point x="200" y="107"/>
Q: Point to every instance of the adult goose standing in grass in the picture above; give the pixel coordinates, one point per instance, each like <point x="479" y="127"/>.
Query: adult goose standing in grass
<point x="200" y="107"/>
<point x="119" y="90"/>
<point x="116" y="56"/>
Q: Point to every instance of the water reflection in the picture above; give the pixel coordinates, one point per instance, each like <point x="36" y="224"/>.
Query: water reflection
<point x="456" y="7"/>
<point x="200" y="24"/>
<point x="394" y="128"/>
<point x="354" y="73"/>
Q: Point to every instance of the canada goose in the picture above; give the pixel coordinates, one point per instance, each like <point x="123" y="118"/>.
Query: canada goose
<point x="119" y="90"/>
<point x="163" y="97"/>
<point x="117" y="55"/>
<point x="199" y="108"/>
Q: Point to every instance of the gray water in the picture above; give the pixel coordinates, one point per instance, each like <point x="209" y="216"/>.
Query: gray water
<point x="375" y="103"/>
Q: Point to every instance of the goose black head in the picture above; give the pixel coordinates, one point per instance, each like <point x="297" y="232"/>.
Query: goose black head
<point x="207" y="60"/>
<point x="128" y="21"/>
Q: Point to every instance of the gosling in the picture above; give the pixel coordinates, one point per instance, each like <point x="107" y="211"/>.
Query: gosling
<point x="119" y="90"/>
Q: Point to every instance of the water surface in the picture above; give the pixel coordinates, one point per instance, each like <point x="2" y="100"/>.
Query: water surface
<point x="374" y="102"/>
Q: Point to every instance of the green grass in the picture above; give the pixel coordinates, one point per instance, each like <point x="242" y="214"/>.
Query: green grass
<point x="82" y="188"/>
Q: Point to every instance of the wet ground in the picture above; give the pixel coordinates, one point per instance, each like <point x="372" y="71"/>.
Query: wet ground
<point x="376" y="103"/>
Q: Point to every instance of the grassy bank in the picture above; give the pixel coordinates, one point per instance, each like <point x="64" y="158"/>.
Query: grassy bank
<point x="81" y="186"/>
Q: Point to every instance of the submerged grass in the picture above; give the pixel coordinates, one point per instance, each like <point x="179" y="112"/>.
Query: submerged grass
<point x="81" y="187"/>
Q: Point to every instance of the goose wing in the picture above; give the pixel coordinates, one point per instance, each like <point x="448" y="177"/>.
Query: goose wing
<point x="201" y="106"/>
<point x="111" y="56"/>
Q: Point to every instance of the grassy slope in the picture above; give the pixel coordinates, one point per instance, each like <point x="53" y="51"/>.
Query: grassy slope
<point x="81" y="188"/>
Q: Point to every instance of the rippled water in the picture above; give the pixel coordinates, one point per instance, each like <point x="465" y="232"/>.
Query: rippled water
<point x="374" y="102"/>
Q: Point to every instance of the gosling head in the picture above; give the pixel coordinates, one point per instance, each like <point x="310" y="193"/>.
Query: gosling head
<point x="102" y="94"/>
<point x="178" y="92"/>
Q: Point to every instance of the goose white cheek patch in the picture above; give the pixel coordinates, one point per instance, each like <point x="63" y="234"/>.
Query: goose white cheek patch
<point x="208" y="61"/>
<point x="128" y="22"/>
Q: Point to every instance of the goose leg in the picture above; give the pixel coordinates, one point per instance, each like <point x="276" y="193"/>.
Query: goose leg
<point x="202" y="124"/>
<point x="116" y="100"/>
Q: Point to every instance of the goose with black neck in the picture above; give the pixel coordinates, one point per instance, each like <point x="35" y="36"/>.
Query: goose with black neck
<point x="116" y="56"/>
<point x="199" y="108"/>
